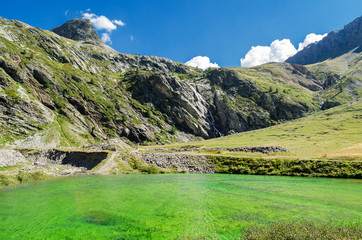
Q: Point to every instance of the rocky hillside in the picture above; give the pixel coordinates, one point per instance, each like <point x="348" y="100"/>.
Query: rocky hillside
<point x="67" y="88"/>
<point x="335" y="44"/>
<point x="342" y="78"/>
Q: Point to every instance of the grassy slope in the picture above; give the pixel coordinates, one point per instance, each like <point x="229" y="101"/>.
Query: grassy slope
<point x="348" y="67"/>
<point x="333" y="134"/>
<point x="284" y="84"/>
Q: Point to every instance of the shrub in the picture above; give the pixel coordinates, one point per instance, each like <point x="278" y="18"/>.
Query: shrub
<point x="153" y="169"/>
<point x="47" y="84"/>
<point x="23" y="176"/>
<point x="173" y="130"/>
<point x="149" y="113"/>
<point x="340" y="88"/>
<point x="6" y="180"/>
<point x="124" y="118"/>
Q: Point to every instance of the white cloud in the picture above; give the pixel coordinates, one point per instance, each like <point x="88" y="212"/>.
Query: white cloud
<point x="66" y="13"/>
<point x="311" y="38"/>
<point x="106" y="37"/>
<point x="278" y="51"/>
<point x="132" y="38"/>
<point x="88" y="10"/>
<point x="201" y="62"/>
<point x="102" y="23"/>
<point x="119" y="23"/>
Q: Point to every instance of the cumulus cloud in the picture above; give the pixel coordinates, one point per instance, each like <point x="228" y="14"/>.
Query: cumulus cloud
<point x="106" y="37"/>
<point x="310" y="38"/>
<point x="201" y="62"/>
<point x="102" y="23"/>
<point x="278" y="51"/>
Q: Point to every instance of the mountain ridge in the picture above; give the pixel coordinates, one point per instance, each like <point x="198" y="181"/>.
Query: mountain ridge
<point x="57" y="92"/>
<point x="335" y="44"/>
<point x="79" y="30"/>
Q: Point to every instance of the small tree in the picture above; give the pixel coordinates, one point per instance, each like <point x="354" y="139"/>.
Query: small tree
<point x="340" y="88"/>
<point x="124" y="118"/>
<point x="173" y="130"/>
<point x="47" y="84"/>
<point x="149" y="113"/>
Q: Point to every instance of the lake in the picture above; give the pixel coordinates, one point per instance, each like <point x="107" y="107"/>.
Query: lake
<point x="170" y="206"/>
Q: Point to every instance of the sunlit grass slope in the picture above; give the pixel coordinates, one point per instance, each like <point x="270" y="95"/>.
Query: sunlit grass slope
<point x="332" y="134"/>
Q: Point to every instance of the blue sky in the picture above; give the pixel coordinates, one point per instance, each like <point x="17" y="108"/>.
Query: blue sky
<point x="182" y="29"/>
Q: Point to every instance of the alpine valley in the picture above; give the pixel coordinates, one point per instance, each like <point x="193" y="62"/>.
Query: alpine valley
<point x="66" y="97"/>
<point x="72" y="105"/>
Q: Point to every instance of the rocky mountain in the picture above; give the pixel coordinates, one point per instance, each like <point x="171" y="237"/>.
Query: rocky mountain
<point x="335" y="44"/>
<point x="79" y="30"/>
<point x="66" y="88"/>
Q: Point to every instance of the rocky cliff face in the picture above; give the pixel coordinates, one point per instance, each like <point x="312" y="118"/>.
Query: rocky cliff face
<point x="58" y="92"/>
<point x="79" y="30"/>
<point x="335" y="44"/>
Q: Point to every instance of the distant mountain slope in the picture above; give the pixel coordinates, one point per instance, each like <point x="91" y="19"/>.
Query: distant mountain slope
<point x="332" y="134"/>
<point x="57" y="91"/>
<point x="341" y="77"/>
<point x="335" y="44"/>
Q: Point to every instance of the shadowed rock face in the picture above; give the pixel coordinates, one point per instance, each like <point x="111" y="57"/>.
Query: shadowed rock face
<point x="333" y="45"/>
<point x="86" y="160"/>
<point x="78" y="30"/>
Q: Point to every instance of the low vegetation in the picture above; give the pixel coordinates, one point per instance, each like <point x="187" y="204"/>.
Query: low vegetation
<point x="21" y="177"/>
<point x="303" y="230"/>
<point x="286" y="167"/>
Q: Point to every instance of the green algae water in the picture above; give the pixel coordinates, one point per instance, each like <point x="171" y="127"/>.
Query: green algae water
<point x="170" y="206"/>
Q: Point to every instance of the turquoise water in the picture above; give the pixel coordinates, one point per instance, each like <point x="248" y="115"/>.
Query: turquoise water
<point x="170" y="206"/>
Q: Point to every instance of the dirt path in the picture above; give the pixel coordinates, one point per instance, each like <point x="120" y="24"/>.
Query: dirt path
<point x="109" y="164"/>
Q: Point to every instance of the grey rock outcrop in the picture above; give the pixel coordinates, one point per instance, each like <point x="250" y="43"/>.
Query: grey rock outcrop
<point x="192" y="164"/>
<point x="87" y="160"/>
<point x="11" y="157"/>
<point x="264" y="149"/>
<point x="79" y="30"/>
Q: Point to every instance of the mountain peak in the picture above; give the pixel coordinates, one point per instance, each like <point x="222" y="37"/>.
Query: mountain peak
<point x="79" y="30"/>
<point x="335" y="44"/>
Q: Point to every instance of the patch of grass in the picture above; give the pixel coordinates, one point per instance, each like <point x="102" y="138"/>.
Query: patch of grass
<point x="287" y="167"/>
<point x="301" y="231"/>
<point x="12" y="93"/>
<point x="24" y="176"/>
<point x="7" y="180"/>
